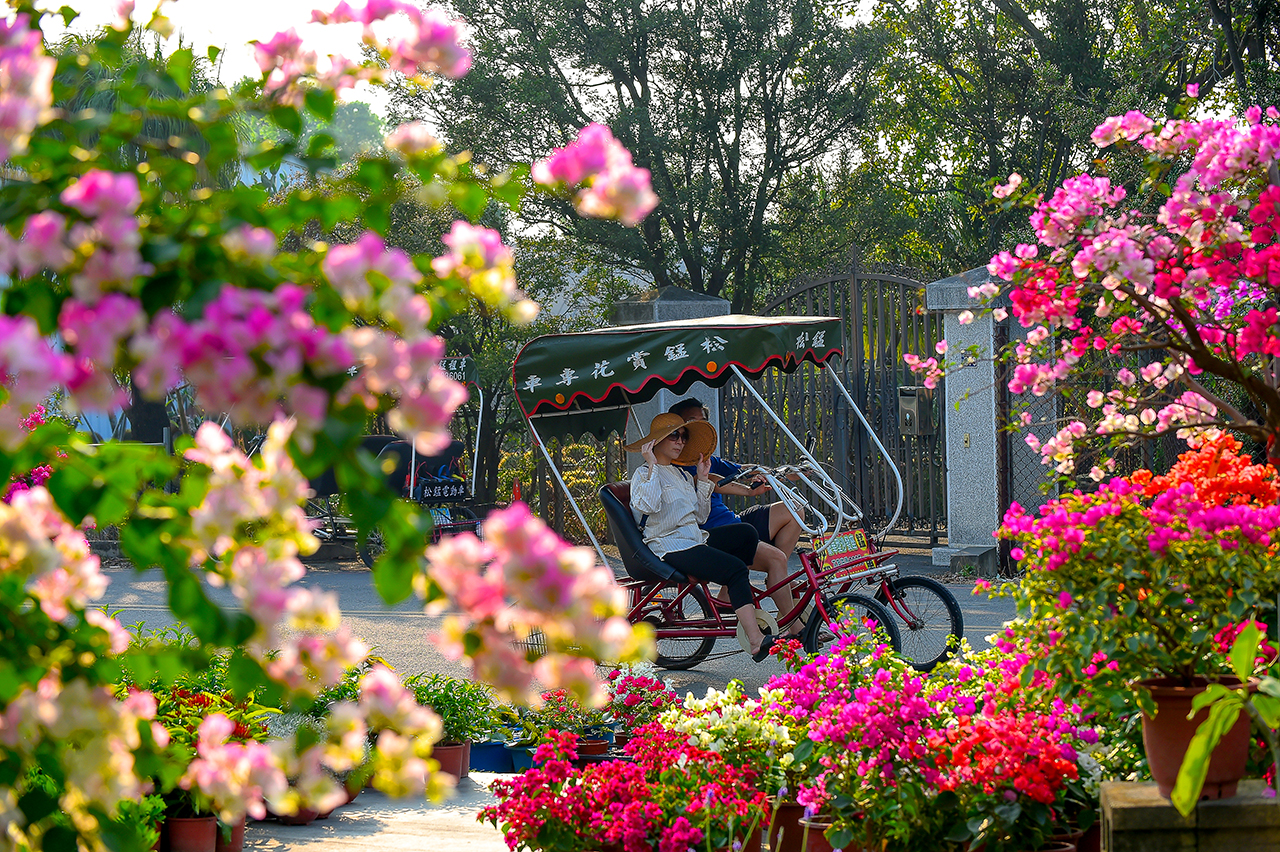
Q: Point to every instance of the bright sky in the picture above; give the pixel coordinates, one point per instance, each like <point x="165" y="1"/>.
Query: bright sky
<point x="230" y="25"/>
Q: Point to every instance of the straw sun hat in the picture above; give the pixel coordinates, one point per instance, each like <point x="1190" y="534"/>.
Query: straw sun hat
<point x="702" y="437"/>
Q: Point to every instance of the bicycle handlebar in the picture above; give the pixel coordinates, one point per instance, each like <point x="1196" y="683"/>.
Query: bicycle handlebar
<point x="839" y="503"/>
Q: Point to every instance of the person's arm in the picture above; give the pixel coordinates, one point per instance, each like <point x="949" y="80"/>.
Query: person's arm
<point x="646" y="486"/>
<point x="703" y="486"/>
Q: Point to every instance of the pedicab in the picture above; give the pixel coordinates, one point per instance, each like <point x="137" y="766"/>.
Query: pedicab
<point x="439" y="482"/>
<point x="570" y="385"/>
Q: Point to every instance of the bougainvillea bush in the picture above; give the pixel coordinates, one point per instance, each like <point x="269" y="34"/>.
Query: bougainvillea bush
<point x="1137" y="579"/>
<point x="137" y="254"/>
<point x="675" y="796"/>
<point x="1167" y="288"/>
<point x="954" y="759"/>
<point x="637" y="695"/>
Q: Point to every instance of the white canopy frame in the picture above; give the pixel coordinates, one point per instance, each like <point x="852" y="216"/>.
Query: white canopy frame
<point x="826" y="488"/>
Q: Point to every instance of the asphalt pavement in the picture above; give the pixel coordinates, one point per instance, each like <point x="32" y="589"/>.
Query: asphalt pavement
<point x="401" y="634"/>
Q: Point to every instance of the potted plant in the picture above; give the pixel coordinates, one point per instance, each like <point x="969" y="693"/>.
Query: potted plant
<point x="636" y="697"/>
<point x="465" y="712"/>
<point x="190" y="824"/>
<point x="560" y="712"/>
<point x="1127" y="587"/>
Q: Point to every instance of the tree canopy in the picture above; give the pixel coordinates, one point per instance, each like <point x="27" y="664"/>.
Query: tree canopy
<point x="720" y="100"/>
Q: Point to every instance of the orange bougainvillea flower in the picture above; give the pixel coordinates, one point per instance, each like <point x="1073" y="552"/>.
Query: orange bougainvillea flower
<point x="1221" y="476"/>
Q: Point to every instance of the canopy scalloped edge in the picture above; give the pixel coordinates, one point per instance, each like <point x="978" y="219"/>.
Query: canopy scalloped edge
<point x="608" y="367"/>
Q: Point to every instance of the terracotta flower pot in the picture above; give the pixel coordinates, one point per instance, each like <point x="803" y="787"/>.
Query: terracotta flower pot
<point x="785" y="831"/>
<point x="453" y="757"/>
<point x="593" y="746"/>
<point x="621" y="740"/>
<point x="304" y="816"/>
<point x="1091" y="841"/>
<point x="230" y="839"/>
<point x="192" y="834"/>
<point x="813" y="837"/>
<point x="1167" y="736"/>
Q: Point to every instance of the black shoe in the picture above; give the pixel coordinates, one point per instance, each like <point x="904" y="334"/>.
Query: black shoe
<point x="766" y="647"/>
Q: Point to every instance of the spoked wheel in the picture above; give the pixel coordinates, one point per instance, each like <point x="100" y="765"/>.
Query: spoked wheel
<point x="676" y="608"/>
<point x="372" y="548"/>
<point x="849" y="614"/>
<point x="926" y="614"/>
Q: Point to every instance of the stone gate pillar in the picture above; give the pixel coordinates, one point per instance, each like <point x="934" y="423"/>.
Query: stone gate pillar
<point x="667" y="304"/>
<point x="972" y="440"/>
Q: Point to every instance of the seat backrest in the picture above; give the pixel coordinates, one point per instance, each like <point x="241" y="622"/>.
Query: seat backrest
<point x="400" y="452"/>
<point x="637" y="558"/>
<point x="326" y="484"/>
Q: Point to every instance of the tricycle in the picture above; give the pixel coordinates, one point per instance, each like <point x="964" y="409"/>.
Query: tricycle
<point x="568" y="385"/>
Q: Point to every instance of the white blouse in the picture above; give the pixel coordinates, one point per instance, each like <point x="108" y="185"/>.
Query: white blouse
<point x="667" y="495"/>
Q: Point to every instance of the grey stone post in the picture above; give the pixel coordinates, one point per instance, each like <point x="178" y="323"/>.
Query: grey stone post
<point x="973" y="485"/>
<point x="667" y="304"/>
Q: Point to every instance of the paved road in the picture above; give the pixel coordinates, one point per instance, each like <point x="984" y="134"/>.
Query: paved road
<point x="401" y="634"/>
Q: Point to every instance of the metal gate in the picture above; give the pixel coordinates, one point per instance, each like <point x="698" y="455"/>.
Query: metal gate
<point x="884" y="317"/>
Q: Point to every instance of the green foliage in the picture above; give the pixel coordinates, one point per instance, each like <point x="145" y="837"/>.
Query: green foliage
<point x="1225" y="704"/>
<point x="465" y="708"/>
<point x="721" y="102"/>
<point x="347" y="689"/>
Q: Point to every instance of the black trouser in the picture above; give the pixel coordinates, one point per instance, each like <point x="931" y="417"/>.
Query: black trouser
<point x="723" y="559"/>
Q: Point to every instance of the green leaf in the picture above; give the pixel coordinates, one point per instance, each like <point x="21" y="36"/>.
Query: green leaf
<point x="59" y="839"/>
<point x="322" y="102"/>
<point x="1213" y="692"/>
<point x="803" y="750"/>
<point x="1245" y="650"/>
<point x="839" y="838"/>
<point x="287" y="118"/>
<point x="213" y="53"/>
<point x="1195" y="765"/>
<point x="36" y="804"/>
<point x="68" y="15"/>
<point x="1268" y="709"/>
<point x="179" y="67"/>
<point x="470" y="199"/>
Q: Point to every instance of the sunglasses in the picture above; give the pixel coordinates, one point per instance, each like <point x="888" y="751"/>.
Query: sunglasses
<point x="678" y="436"/>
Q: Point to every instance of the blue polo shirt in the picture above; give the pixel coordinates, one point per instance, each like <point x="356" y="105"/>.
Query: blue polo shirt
<point x="720" y="513"/>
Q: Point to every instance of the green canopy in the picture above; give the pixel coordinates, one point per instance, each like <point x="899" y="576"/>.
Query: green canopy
<point x="461" y="369"/>
<point x="585" y="382"/>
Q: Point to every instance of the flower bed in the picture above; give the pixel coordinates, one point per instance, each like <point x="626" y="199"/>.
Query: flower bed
<point x="891" y="758"/>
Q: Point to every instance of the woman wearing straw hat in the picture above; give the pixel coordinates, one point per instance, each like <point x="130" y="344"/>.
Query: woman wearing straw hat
<point x="668" y="504"/>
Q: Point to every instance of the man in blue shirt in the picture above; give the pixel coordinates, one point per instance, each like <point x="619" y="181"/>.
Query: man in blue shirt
<point x="777" y="529"/>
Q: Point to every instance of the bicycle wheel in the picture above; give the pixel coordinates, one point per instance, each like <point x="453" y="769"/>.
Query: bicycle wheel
<point x="674" y="608"/>
<point x="372" y="548"/>
<point x="849" y="614"/>
<point x="931" y="616"/>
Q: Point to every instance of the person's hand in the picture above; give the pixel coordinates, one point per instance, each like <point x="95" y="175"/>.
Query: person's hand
<point x="758" y="488"/>
<point x="704" y="466"/>
<point x="646" y="452"/>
